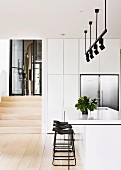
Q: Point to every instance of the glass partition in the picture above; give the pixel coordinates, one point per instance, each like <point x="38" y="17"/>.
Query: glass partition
<point x="37" y="67"/>
<point x="17" y="65"/>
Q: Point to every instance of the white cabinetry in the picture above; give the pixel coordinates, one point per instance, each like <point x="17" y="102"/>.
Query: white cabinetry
<point x="55" y="56"/>
<point x="55" y="100"/>
<point x="70" y="90"/>
<point x="110" y="57"/>
<point x="71" y="55"/>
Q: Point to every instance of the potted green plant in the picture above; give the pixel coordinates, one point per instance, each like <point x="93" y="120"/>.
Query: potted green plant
<point x="86" y="103"/>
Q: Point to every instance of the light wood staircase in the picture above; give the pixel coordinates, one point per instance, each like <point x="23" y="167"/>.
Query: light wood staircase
<point x="20" y="114"/>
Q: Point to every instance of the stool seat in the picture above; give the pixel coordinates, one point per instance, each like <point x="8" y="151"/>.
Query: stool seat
<point x="61" y="131"/>
<point x="58" y="122"/>
<point x="62" y="126"/>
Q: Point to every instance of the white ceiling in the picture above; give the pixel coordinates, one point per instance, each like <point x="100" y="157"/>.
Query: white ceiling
<point x="50" y="18"/>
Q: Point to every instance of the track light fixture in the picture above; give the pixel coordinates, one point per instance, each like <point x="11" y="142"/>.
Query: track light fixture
<point x="87" y="57"/>
<point x="101" y="44"/>
<point x="96" y="49"/>
<point x="89" y="52"/>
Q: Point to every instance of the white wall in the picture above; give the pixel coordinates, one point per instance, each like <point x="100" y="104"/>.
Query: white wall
<point x="4" y="67"/>
<point x="65" y="62"/>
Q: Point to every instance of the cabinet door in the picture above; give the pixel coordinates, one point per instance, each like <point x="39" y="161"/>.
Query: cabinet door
<point x="55" y="99"/>
<point x="109" y="90"/>
<point x="110" y="57"/>
<point x="90" y="86"/>
<point x="71" y="56"/>
<point x="91" y="67"/>
<point x="70" y="90"/>
<point x="55" y="56"/>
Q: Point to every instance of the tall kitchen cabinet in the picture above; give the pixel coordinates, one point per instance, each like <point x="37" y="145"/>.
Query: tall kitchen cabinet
<point x="71" y="70"/>
<point x="63" y="77"/>
<point x="55" y="82"/>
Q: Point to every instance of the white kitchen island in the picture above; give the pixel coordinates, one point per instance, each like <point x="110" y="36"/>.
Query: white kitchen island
<point x="99" y="136"/>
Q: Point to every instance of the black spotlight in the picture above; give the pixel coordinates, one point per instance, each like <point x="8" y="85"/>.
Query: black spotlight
<point x="87" y="57"/>
<point x="91" y="54"/>
<point x="101" y="44"/>
<point x="96" y="49"/>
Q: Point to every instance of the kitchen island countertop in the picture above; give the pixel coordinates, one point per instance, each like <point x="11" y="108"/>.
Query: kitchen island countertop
<point x="102" y="115"/>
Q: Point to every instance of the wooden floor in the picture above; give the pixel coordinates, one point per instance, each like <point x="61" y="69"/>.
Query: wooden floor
<point x="29" y="152"/>
<point x="22" y="146"/>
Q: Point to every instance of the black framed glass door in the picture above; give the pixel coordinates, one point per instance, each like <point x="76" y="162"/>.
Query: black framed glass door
<point x="25" y="67"/>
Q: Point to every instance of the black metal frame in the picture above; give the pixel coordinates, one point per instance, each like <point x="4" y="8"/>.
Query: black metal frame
<point x="33" y="67"/>
<point x="99" y="83"/>
<point x="67" y="147"/>
<point x="10" y="69"/>
<point x="101" y="35"/>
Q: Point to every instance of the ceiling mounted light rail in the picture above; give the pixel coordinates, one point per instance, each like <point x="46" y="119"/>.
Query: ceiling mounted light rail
<point x="100" y="40"/>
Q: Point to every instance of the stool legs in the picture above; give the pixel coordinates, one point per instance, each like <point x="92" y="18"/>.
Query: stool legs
<point x="64" y="149"/>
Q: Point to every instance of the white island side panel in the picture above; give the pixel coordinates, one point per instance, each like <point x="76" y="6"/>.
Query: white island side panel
<point x="103" y="147"/>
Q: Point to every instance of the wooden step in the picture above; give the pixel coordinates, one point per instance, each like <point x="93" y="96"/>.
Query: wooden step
<point x="20" y="123"/>
<point x="20" y="130"/>
<point x="21" y="98"/>
<point x="18" y="116"/>
<point x="20" y="110"/>
<point x="20" y="104"/>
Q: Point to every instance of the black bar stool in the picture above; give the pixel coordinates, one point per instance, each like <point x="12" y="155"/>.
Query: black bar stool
<point x="65" y="144"/>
